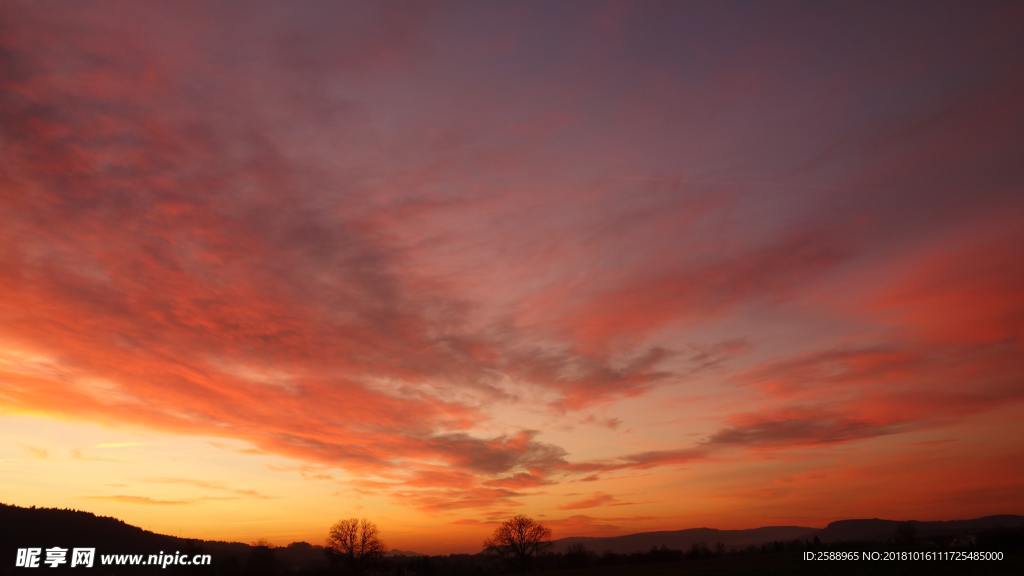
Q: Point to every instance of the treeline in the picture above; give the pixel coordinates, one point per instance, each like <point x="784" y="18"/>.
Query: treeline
<point x="772" y="558"/>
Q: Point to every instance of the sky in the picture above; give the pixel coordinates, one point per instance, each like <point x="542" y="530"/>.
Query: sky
<point x="619" y="266"/>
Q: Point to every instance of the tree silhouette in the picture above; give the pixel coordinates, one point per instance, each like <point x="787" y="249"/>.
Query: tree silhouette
<point x="518" y="539"/>
<point x="356" y="542"/>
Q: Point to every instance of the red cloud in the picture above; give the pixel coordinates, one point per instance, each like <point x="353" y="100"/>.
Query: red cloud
<point x="964" y="289"/>
<point x="703" y="290"/>
<point x="597" y="500"/>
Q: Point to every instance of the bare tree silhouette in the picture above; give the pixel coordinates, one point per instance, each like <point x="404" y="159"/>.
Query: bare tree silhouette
<point x="356" y="542"/>
<point x="519" y="539"/>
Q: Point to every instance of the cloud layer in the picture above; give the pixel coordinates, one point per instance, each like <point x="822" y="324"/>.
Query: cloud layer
<point x="386" y="240"/>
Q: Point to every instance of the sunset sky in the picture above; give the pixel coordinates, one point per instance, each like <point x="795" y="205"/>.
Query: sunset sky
<point x="618" y="266"/>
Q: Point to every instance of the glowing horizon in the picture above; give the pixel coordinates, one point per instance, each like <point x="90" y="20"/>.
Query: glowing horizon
<point x="621" y="267"/>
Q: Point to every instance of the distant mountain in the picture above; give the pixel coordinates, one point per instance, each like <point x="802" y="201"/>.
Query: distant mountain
<point x="877" y="530"/>
<point x="871" y="530"/>
<point x="686" y="539"/>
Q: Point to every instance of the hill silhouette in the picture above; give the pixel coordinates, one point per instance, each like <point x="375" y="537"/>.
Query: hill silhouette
<point x="44" y="527"/>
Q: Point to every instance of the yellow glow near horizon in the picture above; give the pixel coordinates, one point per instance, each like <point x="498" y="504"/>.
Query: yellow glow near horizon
<point x="220" y="489"/>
